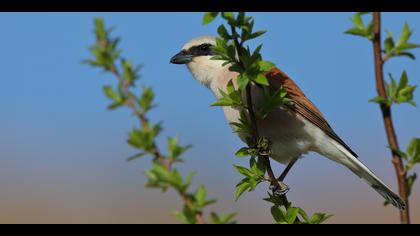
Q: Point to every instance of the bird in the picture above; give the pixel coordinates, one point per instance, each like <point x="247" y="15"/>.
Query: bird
<point x="294" y="129"/>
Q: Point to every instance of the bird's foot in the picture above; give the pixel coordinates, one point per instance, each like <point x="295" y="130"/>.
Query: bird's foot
<point x="280" y="188"/>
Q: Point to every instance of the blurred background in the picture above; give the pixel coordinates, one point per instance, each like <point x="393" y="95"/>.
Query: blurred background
<point x="62" y="154"/>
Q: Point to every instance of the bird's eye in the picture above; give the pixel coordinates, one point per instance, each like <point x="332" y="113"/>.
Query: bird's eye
<point x="204" y="47"/>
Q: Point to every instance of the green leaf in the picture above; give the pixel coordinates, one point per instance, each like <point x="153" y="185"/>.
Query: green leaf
<point x="222" y="31"/>
<point x="254" y="176"/>
<point x="229" y="16"/>
<point x="175" y="180"/>
<point x="146" y="99"/>
<point x="274" y="198"/>
<point x="303" y="214"/>
<point x="370" y="30"/>
<point x="413" y="151"/>
<point x="271" y="102"/>
<point x="201" y="196"/>
<point x="398" y="152"/>
<point x="228" y="100"/>
<point x="399" y="93"/>
<point x="241" y="19"/>
<point x="135" y="157"/>
<point x="358" y="21"/>
<point x="115" y="105"/>
<point x="231" y="52"/>
<point x="129" y="73"/>
<point x="209" y="17"/>
<point x="189" y="178"/>
<point x="241" y="187"/>
<point x="405" y="54"/>
<point x="174" y="149"/>
<point x="405" y="35"/>
<point x="160" y="177"/>
<point x="224" y="101"/>
<point x="405" y="95"/>
<point x="389" y="44"/>
<point x="257" y="168"/>
<point x="217" y="219"/>
<point x="407" y="46"/>
<point x="319" y="218"/>
<point x="392" y="87"/>
<point x="244" y="171"/>
<point x="257" y="34"/>
<point x="266" y="65"/>
<point x="155" y="130"/>
<point x="160" y="171"/>
<point x="243" y="126"/>
<point x="221" y="46"/>
<point x="100" y="30"/>
<point x="187" y="216"/>
<point x="413" y="148"/>
<point x="380" y="100"/>
<point x="261" y="79"/>
<point x="111" y="94"/>
<point x="242" y="81"/>
<point x="400" y="48"/>
<point x="230" y="88"/>
<point x="142" y="139"/>
<point x="232" y="98"/>
<point x="403" y="81"/>
<point x="291" y="215"/>
<point x="359" y="28"/>
<point x="242" y="152"/>
<point x="410" y="182"/>
<point x="356" y="32"/>
<point x="278" y="214"/>
<point x="181" y="217"/>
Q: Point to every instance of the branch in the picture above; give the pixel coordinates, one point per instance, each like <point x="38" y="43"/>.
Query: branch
<point x="387" y="118"/>
<point x="251" y="69"/>
<point x="167" y="164"/>
<point x="256" y="136"/>
<point x="107" y="54"/>
<point x="144" y="122"/>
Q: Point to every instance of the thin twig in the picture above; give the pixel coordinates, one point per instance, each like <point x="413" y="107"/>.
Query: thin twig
<point x="387" y="118"/>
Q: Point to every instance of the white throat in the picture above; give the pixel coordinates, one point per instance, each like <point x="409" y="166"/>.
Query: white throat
<point x="207" y="71"/>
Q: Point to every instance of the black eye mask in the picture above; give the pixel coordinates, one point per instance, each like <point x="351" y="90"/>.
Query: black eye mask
<point x="186" y="56"/>
<point x="204" y="49"/>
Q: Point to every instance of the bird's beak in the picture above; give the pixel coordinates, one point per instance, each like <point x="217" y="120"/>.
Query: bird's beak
<point x="181" y="58"/>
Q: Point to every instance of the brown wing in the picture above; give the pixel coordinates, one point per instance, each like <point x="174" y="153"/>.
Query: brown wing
<point x="301" y="104"/>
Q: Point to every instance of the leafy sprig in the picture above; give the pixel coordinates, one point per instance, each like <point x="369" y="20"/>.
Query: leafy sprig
<point x="394" y="93"/>
<point x="397" y="93"/>
<point x="162" y="174"/>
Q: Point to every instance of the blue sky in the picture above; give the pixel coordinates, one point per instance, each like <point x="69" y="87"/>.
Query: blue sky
<point x="62" y="150"/>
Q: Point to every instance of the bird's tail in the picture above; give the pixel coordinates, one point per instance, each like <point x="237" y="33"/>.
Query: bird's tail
<point x="357" y="167"/>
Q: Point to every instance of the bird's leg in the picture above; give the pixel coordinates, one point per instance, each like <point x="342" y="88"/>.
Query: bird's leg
<point x="286" y="171"/>
<point x="281" y="188"/>
<point x="277" y="186"/>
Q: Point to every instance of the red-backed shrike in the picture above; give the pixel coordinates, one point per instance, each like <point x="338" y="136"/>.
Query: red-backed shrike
<point x="297" y="131"/>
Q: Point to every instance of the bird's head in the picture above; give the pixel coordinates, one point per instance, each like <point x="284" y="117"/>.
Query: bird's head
<point x="197" y="54"/>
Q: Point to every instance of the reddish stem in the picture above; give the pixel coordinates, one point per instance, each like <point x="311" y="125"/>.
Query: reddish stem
<point x="387" y="118"/>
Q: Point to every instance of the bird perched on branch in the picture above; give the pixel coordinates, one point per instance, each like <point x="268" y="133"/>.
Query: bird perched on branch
<point x="294" y="130"/>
